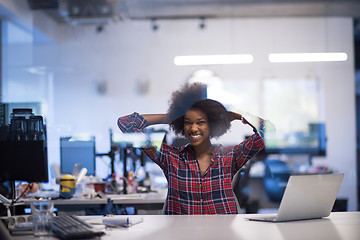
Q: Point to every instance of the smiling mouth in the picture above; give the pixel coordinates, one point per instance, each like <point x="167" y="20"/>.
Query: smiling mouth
<point x="195" y="136"/>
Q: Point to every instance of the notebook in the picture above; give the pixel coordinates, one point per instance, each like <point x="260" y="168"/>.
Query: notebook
<point x="306" y="197"/>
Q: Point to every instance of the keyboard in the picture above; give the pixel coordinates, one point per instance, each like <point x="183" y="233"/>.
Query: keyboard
<point x="71" y="227"/>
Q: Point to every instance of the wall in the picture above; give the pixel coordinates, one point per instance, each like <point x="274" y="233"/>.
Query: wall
<point x="128" y="52"/>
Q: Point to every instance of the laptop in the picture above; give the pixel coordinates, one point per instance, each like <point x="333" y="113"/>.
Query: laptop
<point x="306" y="197"/>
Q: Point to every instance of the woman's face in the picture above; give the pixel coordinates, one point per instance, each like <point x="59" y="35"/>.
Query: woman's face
<point x="196" y="127"/>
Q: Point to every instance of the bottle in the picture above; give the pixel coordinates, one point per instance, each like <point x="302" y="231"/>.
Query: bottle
<point x="135" y="185"/>
<point x="140" y="175"/>
<point x="147" y="182"/>
<point x="113" y="183"/>
<point x="130" y="184"/>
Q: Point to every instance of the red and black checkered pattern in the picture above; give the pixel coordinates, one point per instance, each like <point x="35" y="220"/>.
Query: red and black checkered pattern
<point x="189" y="192"/>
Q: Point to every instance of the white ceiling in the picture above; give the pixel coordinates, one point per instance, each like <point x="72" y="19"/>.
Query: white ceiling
<point x="180" y="9"/>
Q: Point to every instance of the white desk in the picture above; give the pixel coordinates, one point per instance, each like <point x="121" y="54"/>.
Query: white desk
<point x="339" y="226"/>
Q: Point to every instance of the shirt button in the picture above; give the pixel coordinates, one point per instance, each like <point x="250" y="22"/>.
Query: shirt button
<point x="201" y="200"/>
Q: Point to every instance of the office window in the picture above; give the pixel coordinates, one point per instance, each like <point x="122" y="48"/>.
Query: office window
<point x="294" y="106"/>
<point x="23" y="84"/>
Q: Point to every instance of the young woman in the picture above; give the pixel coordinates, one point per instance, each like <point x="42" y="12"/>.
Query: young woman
<point x="199" y="174"/>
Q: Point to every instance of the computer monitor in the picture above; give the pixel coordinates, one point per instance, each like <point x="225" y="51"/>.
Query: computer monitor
<point x="80" y="151"/>
<point x="24" y="161"/>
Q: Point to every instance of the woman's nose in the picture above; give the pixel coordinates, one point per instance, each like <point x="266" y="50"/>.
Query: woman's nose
<point x="194" y="127"/>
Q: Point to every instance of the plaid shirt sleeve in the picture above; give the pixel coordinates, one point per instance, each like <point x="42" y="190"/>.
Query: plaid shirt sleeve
<point x="133" y="123"/>
<point x="246" y="150"/>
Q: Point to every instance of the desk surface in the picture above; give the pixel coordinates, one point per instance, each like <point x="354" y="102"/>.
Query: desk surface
<point x="340" y="225"/>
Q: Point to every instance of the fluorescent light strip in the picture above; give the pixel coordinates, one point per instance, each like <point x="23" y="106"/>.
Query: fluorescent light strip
<point x="307" y="57"/>
<point x="213" y="59"/>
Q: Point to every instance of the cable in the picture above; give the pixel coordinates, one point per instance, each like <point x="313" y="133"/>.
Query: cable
<point x="29" y="186"/>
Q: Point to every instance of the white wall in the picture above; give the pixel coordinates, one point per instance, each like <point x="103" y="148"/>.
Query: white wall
<point x="128" y="51"/>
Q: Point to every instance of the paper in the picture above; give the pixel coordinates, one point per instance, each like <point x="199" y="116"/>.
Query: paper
<point x="124" y="221"/>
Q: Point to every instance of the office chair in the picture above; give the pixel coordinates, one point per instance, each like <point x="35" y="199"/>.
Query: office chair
<point x="276" y="176"/>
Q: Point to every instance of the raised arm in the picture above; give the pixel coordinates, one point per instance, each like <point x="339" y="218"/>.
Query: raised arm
<point x="156" y="118"/>
<point x="136" y="122"/>
<point x="237" y="116"/>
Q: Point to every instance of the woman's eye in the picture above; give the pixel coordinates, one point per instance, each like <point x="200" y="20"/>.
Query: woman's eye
<point x="202" y="123"/>
<point x="187" y="123"/>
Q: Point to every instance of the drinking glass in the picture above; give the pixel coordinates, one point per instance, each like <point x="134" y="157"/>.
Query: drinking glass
<point x="42" y="216"/>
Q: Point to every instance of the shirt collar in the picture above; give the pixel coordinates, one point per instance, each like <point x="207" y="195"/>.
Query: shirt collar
<point x="188" y="148"/>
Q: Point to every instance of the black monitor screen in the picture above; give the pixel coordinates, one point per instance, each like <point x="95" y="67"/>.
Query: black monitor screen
<point x="24" y="161"/>
<point x="77" y="151"/>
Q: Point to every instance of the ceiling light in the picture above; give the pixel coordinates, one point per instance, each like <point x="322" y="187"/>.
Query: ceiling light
<point x="307" y="57"/>
<point x="213" y="59"/>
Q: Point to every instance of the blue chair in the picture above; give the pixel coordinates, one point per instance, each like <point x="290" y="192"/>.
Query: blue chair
<point x="276" y="176"/>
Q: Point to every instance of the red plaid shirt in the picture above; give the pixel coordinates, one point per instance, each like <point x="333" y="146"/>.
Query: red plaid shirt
<point x="189" y="192"/>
